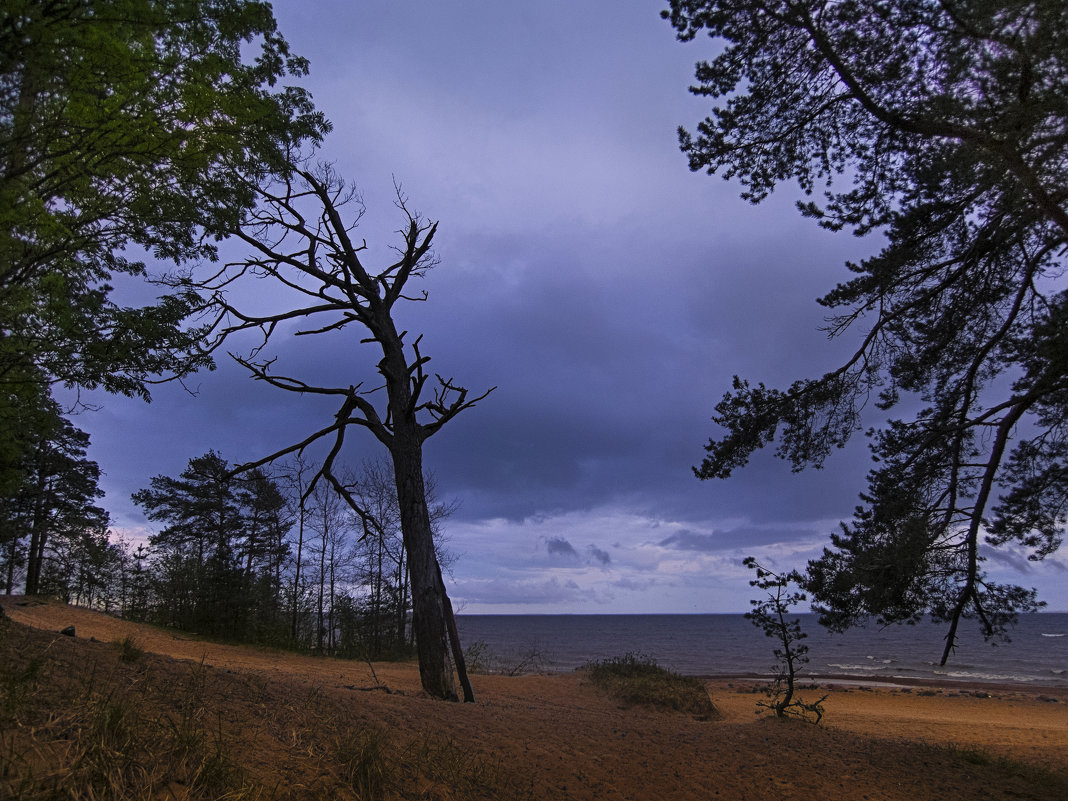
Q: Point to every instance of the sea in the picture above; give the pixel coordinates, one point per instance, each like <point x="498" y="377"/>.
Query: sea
<point x="729" y="645"/>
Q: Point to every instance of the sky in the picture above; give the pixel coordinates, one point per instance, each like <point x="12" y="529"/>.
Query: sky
<point x="606" y="291"/>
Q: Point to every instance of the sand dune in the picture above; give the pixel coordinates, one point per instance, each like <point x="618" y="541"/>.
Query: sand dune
<point x="563" y="739"/>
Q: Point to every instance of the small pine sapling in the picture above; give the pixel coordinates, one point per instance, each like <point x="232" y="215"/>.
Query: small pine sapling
<point x="770" y="615"/>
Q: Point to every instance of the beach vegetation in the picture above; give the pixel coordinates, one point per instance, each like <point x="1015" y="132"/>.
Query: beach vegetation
<point x="364" y="759"/>
<point x="480" y="659"/>
<point x="771" y="615"/>
<point x="111" y="729"/>
<point x="129" y="649"/>
<point x="636" y="678"/>
<point x="941" y="131"/>
<point x="1011" y="768"/>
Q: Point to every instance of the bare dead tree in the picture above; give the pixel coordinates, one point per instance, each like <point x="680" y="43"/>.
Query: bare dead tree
<point x="301" y="241"/>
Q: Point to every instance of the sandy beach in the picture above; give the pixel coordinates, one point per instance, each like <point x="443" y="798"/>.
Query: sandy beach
<point x="558" y="737"/>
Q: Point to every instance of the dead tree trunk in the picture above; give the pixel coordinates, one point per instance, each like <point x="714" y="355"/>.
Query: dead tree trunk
<point x="321" y="263"/>
<point x="428" y="603"/>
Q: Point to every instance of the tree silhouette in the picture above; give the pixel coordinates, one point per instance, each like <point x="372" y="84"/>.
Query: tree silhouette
<point x="770" y="615"/>
<point x="947" y="123"/>
<point x="302" y="241"/>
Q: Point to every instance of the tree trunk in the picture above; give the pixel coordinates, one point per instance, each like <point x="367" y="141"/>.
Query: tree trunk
<point x="38" y="535"/>
<point x="403" y="583"/>
<point x="428" y="603"/>
<point x="12" y="554"/>
<point x="457" y="648"/>
<point x="300" y="548"/>
<point x="322" y="580"/>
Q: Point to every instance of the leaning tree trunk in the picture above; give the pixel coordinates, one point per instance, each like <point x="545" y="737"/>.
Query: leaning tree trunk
<point x="428" y="603"/>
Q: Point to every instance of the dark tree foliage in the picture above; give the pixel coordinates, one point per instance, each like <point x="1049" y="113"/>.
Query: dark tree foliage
<point x="128" y="125"/>
<point x="234" y="559"/>
<point x="948" y="121"/>
<point x="49" y="503"/>
<point x="217" y="560"/>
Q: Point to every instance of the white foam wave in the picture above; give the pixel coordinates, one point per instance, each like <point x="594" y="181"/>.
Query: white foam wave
<point x="975" y="676"/>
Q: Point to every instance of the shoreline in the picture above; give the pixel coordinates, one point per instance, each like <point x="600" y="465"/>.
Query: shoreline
<point x="897" y="682"/>
<point x="281" y="713"/>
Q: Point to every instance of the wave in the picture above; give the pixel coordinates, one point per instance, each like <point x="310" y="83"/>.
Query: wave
<point x="855" y="667"/>
<point x="977" y="676"/>
<point x="1052" y="635"/>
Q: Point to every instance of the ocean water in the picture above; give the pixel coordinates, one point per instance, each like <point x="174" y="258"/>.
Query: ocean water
<point x="718" y="645"/>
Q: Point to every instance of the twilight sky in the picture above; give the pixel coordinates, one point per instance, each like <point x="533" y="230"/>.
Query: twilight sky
<point x="607" y="291"/>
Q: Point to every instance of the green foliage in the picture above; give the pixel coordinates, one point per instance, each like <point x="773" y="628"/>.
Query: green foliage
<point x="949" y="125"/>
<point x="769" y="614"/>
<point x="637" y="679"/>
<point x="129" y="126"/>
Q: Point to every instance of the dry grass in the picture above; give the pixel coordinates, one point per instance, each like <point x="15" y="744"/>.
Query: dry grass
<point x="78" y="720"/>
<point x="130" y="725"/>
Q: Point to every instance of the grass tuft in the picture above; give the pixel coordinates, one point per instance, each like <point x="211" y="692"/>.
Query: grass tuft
<point x="129" y="649"/>
<point x="446" y="770"/>
<point x="363" y="760"/>
<point x="637" y="679"/>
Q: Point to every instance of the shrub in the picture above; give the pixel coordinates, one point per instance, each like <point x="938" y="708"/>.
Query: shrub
<point x="637" y="679"/>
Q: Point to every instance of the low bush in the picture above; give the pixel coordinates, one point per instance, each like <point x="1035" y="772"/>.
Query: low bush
<point x="637" y="679"/>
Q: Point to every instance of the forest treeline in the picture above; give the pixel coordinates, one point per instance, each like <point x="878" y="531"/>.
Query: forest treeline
<point x="251" y="557"/>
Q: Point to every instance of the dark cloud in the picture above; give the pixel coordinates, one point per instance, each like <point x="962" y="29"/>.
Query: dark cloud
<point x="605" y="290"/>
<point x="689" y="541"/>
<point x="558" y="546"/>
<point x="603" y="557"/>
<point x="526" y="592"/>
<point x="732" y="538"/>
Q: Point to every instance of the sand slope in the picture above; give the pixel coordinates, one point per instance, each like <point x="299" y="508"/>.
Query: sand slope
<point x="570" y="742"/>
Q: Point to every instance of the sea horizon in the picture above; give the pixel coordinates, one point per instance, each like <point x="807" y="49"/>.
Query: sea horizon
<point x="726" y="643"/>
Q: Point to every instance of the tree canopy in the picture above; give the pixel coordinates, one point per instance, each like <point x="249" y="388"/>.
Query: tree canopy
<point x="128" y="126"/>
<point x="948" y="123"/>
<point x="218" y="558"/>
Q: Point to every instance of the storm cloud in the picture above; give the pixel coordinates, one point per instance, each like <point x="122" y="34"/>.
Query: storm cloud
<point x="607" y="292"/>
<point x="558" y="546"/>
